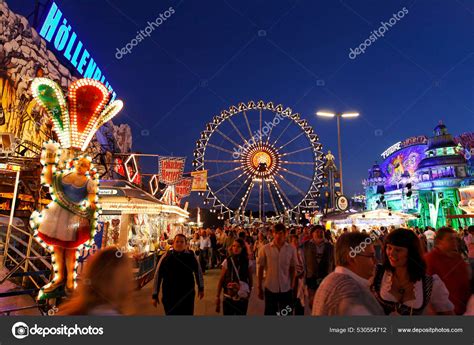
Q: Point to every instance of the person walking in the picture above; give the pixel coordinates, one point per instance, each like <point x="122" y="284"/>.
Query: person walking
<point x="204" y="248"/>
<point x="430" y="236"/>
<point x="378" y="244"/>
<point x="318" y="260"/>
<point x="213" y="249"/>
<point x="105" y="286"/>
<point x="276" y="272"/>
<point x="235" y="280"/>
<point x="446" y="262"/>
<point x="305" y="235"/>
<point x="220" y="237"/>
<point x="402" y="285"/>
<point x="194" y="243"/>
<point x="259" y="243"/>
<point x="346" y="292"/>
<point x="178" y="272"/>
<point x="299" y="291"/>
<point x="230" y="237"/>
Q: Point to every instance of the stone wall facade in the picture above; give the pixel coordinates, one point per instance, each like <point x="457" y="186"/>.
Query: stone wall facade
<point x="24" y="56"/>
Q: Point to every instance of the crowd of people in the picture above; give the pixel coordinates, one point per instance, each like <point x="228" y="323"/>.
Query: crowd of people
<point x="298" y="271"/>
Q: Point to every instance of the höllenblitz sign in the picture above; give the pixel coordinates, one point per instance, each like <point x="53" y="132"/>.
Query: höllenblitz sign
<point x="56" y="29"/>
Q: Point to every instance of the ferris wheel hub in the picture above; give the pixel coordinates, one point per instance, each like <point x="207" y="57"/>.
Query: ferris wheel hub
<point x="261" y="161"/>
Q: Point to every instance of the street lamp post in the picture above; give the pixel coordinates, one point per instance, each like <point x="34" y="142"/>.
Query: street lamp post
<point x="338" y="119"/>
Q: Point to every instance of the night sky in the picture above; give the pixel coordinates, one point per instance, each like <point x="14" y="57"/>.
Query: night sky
<point x="210" y="55"/>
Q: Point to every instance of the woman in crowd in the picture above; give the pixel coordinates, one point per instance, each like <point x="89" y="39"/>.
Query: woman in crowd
<point x="328" y="236"/>
<point x="236" y="280"/>
<point x="195" y="243"/>
<point x="378" y="244"/>
<point x="178" y="271"/>
<point x="105" y="286"/>
<point x="401" y="284"/>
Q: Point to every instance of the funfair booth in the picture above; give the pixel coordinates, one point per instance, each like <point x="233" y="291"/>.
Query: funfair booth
<point x="372" y="220"/>
<point x="423" y="176"/>
<point x="136" y="222"/>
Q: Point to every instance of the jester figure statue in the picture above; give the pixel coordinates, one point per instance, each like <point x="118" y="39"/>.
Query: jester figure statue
<point x="69" y="221"/>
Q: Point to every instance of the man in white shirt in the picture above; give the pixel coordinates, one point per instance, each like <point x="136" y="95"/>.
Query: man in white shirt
<point x="430" y="236"/>
<point x="204" y="245"/>
<point x="346" y="292"/>
<point x="278" y="261"/>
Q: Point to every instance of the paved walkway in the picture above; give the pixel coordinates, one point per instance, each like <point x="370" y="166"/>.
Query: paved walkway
<point x="142" y="303"/>
<point x="206" y="306"/>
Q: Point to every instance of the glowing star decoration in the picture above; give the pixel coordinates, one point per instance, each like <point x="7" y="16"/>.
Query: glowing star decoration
<point x="78" y="118"/>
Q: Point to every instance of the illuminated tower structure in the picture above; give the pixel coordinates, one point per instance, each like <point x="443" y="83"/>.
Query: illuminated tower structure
<point x="439" y="175"/>
<point x="375" y="188"/>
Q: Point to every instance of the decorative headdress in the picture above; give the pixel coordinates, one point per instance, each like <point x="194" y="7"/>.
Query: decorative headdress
<point x="77" y="118"/>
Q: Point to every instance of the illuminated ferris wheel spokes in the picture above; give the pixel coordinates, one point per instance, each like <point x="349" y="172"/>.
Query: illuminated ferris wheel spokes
<point x="250" y="171"/>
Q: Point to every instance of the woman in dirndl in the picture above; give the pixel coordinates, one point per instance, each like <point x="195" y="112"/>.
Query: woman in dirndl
<point x="68" y="221"/>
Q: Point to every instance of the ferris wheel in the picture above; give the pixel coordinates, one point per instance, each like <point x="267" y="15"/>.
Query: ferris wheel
<point x="260" y="157"/>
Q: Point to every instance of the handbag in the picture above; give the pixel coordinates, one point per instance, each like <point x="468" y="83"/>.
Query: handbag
<point x="244" y="288"/>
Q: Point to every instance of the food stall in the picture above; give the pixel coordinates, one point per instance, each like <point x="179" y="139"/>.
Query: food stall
<point x="137" y="223"/>
<point x="381" y="217"/>
<point x="367" y="220"/>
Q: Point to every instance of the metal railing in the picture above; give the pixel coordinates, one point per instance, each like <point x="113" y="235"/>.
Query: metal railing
<point x="22" y="253"/>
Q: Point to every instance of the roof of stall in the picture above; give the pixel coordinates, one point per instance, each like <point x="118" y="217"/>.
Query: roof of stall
<point x="337" y="215"/>
<point x="124" y="197"/>
<point x="382" y="214"/>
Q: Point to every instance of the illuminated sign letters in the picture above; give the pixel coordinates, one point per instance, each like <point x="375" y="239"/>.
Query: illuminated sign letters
<point x="391" y="150"/>
<point x="65" y="40"/>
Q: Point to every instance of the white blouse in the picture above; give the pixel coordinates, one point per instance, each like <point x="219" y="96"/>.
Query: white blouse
<point x="439" y="294"/>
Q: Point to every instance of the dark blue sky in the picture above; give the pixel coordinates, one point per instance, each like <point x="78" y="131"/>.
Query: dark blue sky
<point x="208" y="55"/>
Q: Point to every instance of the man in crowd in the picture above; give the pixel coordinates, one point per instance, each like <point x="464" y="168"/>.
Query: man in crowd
<point x="277" y="260"/>
<point x="204" y="246"/>
<point x="212" y="248"/>
<point x="221" y="237"/>
<point x="305" y="235"/>
<point x="346" y="292"/>
<point x="177" y="274"/>
<point x="445" y="261"/>
<point x="430" y="236"/>
<point x="318" y="260"/>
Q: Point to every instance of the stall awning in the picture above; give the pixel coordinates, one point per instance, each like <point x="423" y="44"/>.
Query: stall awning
<point x="383" y="214"/>
<point x="125" y="198"/>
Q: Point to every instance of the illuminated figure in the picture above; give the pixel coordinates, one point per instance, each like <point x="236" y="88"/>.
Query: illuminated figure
<point x="330" y="164"/>
<point x="70" y="220"/>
